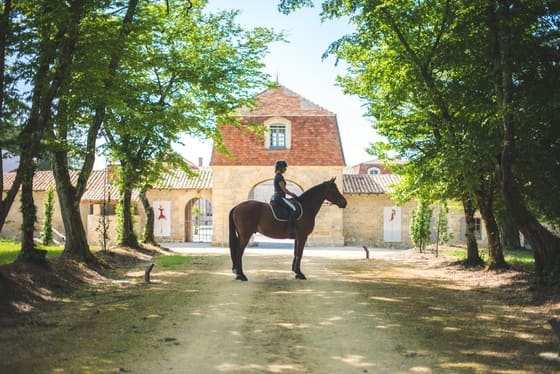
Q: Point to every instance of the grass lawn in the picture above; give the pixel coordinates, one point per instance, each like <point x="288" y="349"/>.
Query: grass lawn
<point x="10" y="249"/>
<point x="523" y="260"/>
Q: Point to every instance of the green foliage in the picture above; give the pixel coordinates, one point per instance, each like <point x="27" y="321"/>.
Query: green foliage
<point x="103" y="225"/>
<point x="172" y="260"/>
<point x="420" y="225"/>
<point x="442" y="223"/>
<point x="46" y="231"/>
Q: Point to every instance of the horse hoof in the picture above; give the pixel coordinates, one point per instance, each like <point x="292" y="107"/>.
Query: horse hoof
<point x="300" y="276"/>
<point x="241" y="277"/>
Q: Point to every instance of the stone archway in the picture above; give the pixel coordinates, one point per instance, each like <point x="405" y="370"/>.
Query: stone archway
<point x="198" y="221"/>
<point x="263" y="191"/>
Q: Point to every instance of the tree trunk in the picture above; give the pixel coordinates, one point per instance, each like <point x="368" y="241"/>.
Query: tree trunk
<point x="149" y="236"/>
<point x="495" y="254"/>
<point x="5" y="29"/>
<point x="546" y="245"/>
<point x="76" y="245"/>
<point x="473" y="257"/>
<point x="128" y="237"/>
<point x="509" y="233"/>
<point x="28" y="211"/>
<point x="6" y="204"/>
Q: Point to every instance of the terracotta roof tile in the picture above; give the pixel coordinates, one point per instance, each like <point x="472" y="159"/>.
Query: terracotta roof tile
<point x="99" y="187"/>
<point x="314" y="134"/>
<point x="369" y="184"/>
<point x="281" y="101"/>
<point x="180" y="180"/>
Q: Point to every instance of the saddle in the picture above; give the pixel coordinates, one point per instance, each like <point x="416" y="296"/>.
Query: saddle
<point x="281" y="213"/>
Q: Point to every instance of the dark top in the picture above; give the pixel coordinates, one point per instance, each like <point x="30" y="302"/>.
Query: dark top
<point x="278" y="193"/>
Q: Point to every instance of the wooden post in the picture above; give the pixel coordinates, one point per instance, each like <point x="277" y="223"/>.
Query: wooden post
<point x="367" y="251"/>
<point x="147" y="272"/>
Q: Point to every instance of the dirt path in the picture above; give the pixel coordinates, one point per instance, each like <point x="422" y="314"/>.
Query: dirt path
<point x="351" y="316"/>
<point x="276" y="324"/>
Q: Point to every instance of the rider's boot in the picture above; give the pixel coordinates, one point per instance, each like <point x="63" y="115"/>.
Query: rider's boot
<point x="292" y="225"/>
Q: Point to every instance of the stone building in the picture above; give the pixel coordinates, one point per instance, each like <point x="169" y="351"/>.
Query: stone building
<point x="293" y="129"/>
<point x="195" y="208"/>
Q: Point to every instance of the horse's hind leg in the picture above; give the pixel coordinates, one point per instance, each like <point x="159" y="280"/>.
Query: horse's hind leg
<point x="238" y="262"/>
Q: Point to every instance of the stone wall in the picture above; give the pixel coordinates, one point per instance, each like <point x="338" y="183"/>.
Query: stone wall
<point x="12" y="227"/>
<point x="233" y="184"/>
<point x="363" y="221"/>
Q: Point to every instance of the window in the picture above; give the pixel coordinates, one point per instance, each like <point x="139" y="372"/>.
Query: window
<point x="277" y="136"/>
<point x="374" y="171"/>
<point x="477" y="229"/>
<point x="278" y="133"/>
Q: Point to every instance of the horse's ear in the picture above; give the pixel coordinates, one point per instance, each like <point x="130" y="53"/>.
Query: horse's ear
<point x="332" y="180"/>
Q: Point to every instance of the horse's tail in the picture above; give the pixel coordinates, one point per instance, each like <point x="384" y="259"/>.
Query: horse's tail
<point x="233" y="239"/>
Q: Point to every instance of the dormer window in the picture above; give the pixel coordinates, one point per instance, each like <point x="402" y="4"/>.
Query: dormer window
<point x="277" y="136"/>
<point x="374" y="171"/>
<point x="278" y="133"/>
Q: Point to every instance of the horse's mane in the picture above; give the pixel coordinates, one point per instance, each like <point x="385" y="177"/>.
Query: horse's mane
<point x="311" y="191"/>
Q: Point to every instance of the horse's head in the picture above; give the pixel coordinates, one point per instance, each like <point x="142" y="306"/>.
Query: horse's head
<point x="333" y="195"/>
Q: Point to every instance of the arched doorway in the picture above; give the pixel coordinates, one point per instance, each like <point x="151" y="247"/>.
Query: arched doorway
<point x="263" y="192"/>
<point x="198" y="221"/>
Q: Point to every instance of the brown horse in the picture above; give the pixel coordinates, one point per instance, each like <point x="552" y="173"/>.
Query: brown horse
<point x="252" y="216"/>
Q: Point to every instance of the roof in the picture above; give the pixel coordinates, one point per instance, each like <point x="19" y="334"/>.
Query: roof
<point x="42" y="180"/>
<point x="281" y="101"/>
<point x="312" y="133"/>
<point x="178" y="179"/>
<point x="369" y="184"/>
<point x="100" y="187"/>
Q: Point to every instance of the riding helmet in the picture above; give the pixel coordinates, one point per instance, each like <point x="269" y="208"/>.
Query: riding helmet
<point x="281" y="164"/>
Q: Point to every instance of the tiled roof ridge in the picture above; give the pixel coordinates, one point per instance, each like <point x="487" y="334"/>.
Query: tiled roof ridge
<point x="369" y="184"/>
<point x="99" y="187"/>
<point x="304" y="103"/>
<point x="306" y="100"/>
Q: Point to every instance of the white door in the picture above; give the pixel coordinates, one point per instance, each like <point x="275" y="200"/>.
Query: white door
<point x="162" y="215"/>
<point x="392" y="224"/>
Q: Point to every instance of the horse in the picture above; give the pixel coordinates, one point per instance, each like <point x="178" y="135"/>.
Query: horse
<point x="251" y="216"/>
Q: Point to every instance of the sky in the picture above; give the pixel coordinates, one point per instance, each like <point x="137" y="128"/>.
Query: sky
<point x="299" y="67"/>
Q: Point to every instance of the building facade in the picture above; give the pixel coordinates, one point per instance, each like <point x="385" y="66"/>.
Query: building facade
<point x="283" y="125"/>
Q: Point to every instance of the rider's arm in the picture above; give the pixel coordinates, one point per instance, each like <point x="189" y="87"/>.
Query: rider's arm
<point x="285" y="190"/>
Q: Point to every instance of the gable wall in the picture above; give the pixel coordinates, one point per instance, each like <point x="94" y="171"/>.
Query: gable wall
<point x="232" y="185"/>
<point x="314" y="141"/>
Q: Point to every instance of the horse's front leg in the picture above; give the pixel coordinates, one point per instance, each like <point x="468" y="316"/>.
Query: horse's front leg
<point x="298" y="254"/>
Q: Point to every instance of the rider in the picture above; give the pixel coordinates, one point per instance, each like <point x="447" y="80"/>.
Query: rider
<point x="280" y="192"/>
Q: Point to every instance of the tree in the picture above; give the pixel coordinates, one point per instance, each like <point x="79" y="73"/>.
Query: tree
<point x="505" y="18"/>
<point x="82" y="111"/>
<point x="420" y="226"/>
<point x="47" y="232"/>
<point x="467" y="72"/>
<point x="197" y="69"/>
<point x="403" y="63"/>
<point x="473" y="257"/>
<point x="443" y="235"/>
<point x="8" y="125"/>
<point x="47" y="39"/>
